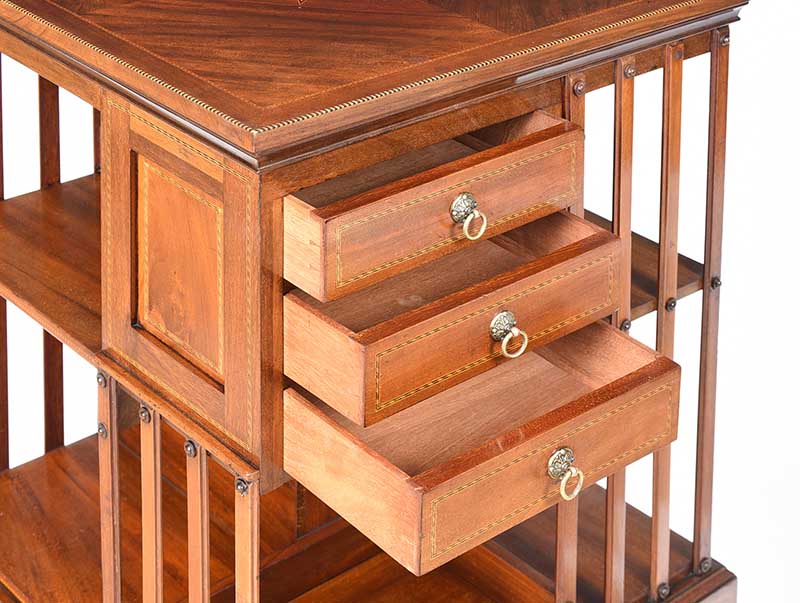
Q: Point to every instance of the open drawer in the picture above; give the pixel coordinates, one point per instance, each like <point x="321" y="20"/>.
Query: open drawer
<point x="456" y="470"/>
<point x="405" y="339"/>
<point x="355" y="230"/>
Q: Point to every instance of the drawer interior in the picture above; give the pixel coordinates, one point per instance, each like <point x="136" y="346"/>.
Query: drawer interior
<point x="438" y="285"/>
<point x="477" y="414"/>
<point x="337" y="190"/>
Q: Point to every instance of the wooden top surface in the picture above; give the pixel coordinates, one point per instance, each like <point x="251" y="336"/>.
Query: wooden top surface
<point x="270" y="74"/>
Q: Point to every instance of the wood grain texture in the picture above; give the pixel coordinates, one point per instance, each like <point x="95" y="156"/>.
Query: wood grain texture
<point x="709" y="342"/>
<point x="50" y="260"/>
<point x="343" y="235"/>
<point x="247" y="545"/>
<point x="556" y="275"/>
<point x="383" y="479"/>
<point x="266" y="85"/>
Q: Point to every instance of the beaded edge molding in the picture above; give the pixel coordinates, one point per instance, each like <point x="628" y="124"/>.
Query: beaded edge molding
<point x="361" y="100"/>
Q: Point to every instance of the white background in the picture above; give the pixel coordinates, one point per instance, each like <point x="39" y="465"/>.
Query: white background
<point x="756" y="526"/>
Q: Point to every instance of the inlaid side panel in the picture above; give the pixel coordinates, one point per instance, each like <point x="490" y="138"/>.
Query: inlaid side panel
<point x="180" y="265"/>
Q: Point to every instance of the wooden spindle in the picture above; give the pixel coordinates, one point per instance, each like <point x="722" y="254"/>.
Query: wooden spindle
<point x="98" y="153"/>
<point x="4" y="444"/>
<point x="108" y="449"/>
<point x="53" y="392"/>
<point x="247" y="541"/>
<point x="624" y="73"/>
<point x="152" y="550"/>
<point x="575" y="89"/>
<point x="566" y="583"/>
<point x="198" y="535"/>
<point x="50" y="174"/>
<point x="718" y="118"/>
<point x="4" y="439"/>
<point x="667" y="300"/>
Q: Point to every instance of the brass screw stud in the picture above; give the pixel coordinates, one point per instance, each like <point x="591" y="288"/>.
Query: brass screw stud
<point x="705" y="566"/>
<point x="579" y="88"/>
<point x="663" y="591"/>
<point x="101" y="380"/>
<point x="242" y="486"/>
<point x="625" y="326"/>
<point x="190" y="448"/>
<point x="102" y="430"/>
<point x="630" y="71"/>
<point x="725" y="40"/>
<point x="716" y="283"/>
<point x="671" y="304"/>
<point x="144" y="414"/>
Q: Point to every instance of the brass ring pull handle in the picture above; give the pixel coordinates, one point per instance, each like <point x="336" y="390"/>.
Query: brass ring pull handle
<point x="561" y="469"/>
<point x="464" y="210"/>
<point x="572" y="473"/>
<point x="504" y="328"/>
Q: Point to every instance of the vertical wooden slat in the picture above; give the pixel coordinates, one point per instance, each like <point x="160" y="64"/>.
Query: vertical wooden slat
<point x="53" y="392"/>
<point x="98" y="156"/>
<point x="152" y="555"/>
<point x="718" y="118"/>
<point x="49" y="139"/>
<point x="198" y="537"/>
<point x="4" y="445"/>
<point x="247" y="542"/>
<point x="575" y="111"/>
<point x="624" y="72"/>
<point x="109" y="490"/>
<point x="667" y="296"/>
<point x="616" y="510"/>
<point x="4" y="439"/>
<point x="566" y="582"/>
<point x="50" y="174"/>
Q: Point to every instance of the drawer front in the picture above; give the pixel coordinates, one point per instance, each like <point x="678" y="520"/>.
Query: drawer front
<point x="515" y="486"/>
<point x="456" y="345"/>
<point x="174" y="290"/>
<point x="359" y="241"/>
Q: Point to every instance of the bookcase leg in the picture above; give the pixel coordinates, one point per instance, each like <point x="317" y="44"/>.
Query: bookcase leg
<point x="108" y="449"/>
<point x="247" y="541"/>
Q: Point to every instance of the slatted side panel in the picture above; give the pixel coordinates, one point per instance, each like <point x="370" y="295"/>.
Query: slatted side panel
<point x="566" y="583"/>
<point x="667" y="296"/>
<point x="50" y="174"/>
<point x="718" y="116"/>
<point x="575" y="89"/>
<point x="152" y="549"/>
<point x="247" y="541"/>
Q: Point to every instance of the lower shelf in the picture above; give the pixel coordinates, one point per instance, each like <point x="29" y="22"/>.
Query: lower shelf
<point x="50" y="546"/>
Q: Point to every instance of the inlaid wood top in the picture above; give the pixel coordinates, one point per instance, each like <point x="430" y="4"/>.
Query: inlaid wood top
<point x="270" y="74"/>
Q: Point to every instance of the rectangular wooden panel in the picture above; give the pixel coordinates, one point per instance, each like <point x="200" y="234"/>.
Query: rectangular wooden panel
<point x="341" y="237"/>
<point x="438" y="479"/>
<point x="180" y="265"/>
<point x="364" y="354"/>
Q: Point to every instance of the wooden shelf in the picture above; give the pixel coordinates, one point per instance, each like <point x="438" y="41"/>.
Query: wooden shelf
<point x="644" y="274"/>
<point x="50" y="260"/>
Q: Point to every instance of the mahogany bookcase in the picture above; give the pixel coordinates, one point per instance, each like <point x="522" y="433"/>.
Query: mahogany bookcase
<point x="165" y="270"/>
